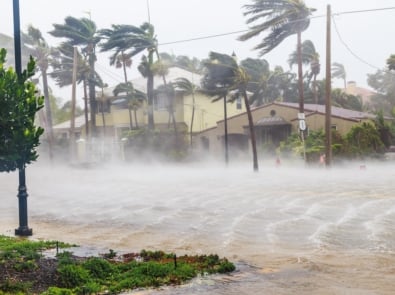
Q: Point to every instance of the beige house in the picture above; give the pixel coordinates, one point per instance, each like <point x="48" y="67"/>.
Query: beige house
<point x="274" y="122"/>
<point x="363" y="93"/>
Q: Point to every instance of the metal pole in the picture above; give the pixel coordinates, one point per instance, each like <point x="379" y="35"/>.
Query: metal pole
<point x="328" y="89"/>
<point x="23" y="229"/>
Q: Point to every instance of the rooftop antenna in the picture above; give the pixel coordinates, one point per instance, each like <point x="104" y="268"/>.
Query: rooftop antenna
<point x="148" y="11"/>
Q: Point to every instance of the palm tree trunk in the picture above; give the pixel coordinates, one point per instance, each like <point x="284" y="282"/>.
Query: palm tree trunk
<point x="48" y="114"/>
<point x="124" y="67"/>
<point x="315" y="89"/>
<point x="150" y="92"/>
<point x="300" y="73"/>
<point x="86" y="110"/>
<point x="130" y="119"/>
<point x="92" y="93"/>
<point x="252" y="132"/>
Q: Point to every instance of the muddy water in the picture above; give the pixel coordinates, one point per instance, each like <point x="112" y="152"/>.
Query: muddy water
<point x="290" y="230"/>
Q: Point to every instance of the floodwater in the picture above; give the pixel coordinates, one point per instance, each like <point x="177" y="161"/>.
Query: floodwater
<point x="289" y="229"/>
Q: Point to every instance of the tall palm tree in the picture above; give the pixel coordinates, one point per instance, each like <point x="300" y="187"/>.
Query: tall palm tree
<point x="82" y="32"/>
<point x="133" y="97"/>
<point x="132" y="40"/>
<point x="116" y="39"/>
<point x="188" y="88"/>
<point x="309" y="56"/>
<point x="339" y="72"/>
<point x="224" y="75"/>
<point x="63" y="71"/>
<point x="42" y="52"/>
<point x="169" y="93"/>
<point x="281" y="18"/>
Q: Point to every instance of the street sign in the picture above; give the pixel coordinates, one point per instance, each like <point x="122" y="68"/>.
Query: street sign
<point x="301" y="116"/>
<point x="302" y="125"/>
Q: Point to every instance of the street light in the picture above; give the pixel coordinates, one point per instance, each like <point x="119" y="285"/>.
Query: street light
<point x="23" y="229"/>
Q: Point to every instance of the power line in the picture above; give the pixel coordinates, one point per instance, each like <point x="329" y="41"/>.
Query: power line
<point x="348" y="47"/>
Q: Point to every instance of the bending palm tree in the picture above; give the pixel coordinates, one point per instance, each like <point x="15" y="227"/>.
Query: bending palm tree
<point x="339" y="72"/>
<point x="134" y="99"/>
<point x="282" y="18"/>
<point x="40" y="49"/>
<point x="82" y="32"/>
<point x="224" y="75"/>
<point x="188" y="88"/>
<point x="131" y="40"/>
<point x="309" y="56"/>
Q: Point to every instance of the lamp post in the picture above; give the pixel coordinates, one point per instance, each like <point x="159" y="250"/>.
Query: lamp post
<point x="23" y="229"/>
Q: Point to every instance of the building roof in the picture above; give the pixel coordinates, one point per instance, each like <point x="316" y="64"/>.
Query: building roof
<point x="336" y="111"/>
<point x="79" y="123"/>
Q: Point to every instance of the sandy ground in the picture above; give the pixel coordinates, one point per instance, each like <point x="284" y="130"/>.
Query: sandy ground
<point x="275" y="272"/>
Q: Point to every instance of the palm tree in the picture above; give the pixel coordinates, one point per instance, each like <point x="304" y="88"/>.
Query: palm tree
<point x="309" y="56"/>
<point x="224" y="75"/>
<point x="339" y="72"/>
<point x="82" y="32"/>
<point x="188" y="88"/>
<point x="281" y="18"/>
<point x="42" y="52"/>
<point x="134" y="99"/>
<point x="167" y="90"/>
<point x="132" y="40"/>
<point x="63" y="72"/>
<point x="116" y="39"/>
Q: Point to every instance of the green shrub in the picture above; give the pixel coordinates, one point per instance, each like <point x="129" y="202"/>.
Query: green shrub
<point x="98" y="268"/>
<point x="73" y="276"/>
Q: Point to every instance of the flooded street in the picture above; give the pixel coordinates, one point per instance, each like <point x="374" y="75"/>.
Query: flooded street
<point x="290" y="230"/>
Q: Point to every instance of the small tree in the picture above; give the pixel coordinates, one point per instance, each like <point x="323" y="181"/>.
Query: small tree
<point x="18" y="134"/>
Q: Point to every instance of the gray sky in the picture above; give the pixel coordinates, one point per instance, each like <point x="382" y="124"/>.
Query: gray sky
<point x="369" y="35"/>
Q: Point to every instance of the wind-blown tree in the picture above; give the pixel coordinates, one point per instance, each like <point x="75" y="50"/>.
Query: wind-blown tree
<point x="42" y="53"/>
<point x="339" y="72"/>
<point x="309" y="57"/>
<point x="82" y="32"/>
<point x="117" y="39"/>
<point x="346" y="101"/>
<point x="62" y="73"/>
<point x="383" y="82"/>
<point x="281" y="19"/>
<point x="19" y="136"/>
<point x="265" y="85"/>
<point x="223" y="76"/>
<point x="131" y="40"/>
<point x="188" y="88"/>
<point x="134" y="99"/>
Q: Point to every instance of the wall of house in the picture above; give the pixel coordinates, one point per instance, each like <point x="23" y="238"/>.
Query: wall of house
<point x="207" y="113"/>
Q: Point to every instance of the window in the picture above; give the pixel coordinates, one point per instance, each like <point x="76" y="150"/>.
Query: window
<point x="161" y="102"/>
<point x="238" y="103"/>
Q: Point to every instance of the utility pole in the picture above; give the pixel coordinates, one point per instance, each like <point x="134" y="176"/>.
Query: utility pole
<point x="328" y="90"/>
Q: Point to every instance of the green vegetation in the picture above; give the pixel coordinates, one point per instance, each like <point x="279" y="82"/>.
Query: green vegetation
<point x="362" y="141"/>
<point x="24" y="270"/>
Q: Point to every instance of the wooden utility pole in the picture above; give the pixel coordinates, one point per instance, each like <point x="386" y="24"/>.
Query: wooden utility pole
<point x="328" y="90"/>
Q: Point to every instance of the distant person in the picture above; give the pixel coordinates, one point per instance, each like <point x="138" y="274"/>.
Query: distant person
<point x="278" y="161"/>
<point x="322" y="160"/>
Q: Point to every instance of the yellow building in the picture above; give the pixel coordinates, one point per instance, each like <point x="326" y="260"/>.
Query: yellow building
<point x="116" y="118"/>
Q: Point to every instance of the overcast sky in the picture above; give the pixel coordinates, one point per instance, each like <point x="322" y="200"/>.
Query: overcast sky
<point x="369" y="35"/>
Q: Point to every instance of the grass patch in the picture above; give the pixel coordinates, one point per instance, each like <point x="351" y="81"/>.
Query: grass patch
<point x="23" y="270"/>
